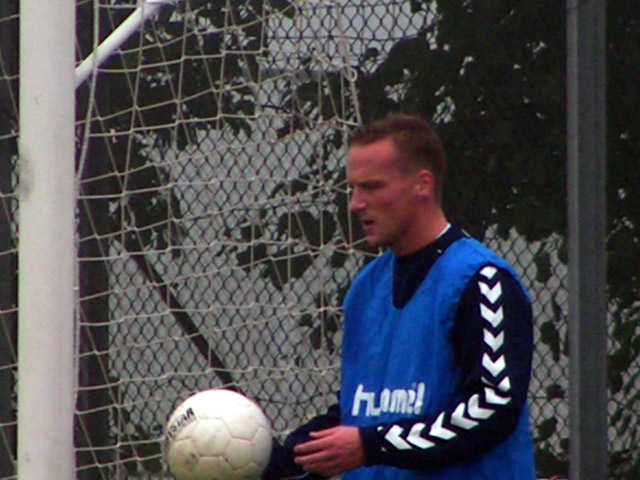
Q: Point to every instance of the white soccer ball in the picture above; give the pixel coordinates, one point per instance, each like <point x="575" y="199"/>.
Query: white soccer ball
<point x="218" y="435"/>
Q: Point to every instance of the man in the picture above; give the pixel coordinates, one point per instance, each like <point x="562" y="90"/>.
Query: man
<point x="437" y="347"/>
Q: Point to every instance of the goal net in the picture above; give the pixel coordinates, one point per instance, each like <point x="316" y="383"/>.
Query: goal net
<point x="214" y="241"/>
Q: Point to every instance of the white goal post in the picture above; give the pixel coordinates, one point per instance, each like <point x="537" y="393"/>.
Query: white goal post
<point x="46" y="249"/>
<point x="109" y="45"/>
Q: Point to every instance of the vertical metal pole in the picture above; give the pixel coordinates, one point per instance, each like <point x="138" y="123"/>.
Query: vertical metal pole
<point x="587" y="232"/>
<point x="46" y="240"/>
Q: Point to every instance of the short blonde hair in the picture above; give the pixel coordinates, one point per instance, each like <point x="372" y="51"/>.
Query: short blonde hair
<point x="418" y="144"/>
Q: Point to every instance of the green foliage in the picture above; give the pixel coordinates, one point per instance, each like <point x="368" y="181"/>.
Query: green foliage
<point x="623" y="139"/>
<point x="545" y="429"/>
<point x="550" y="336"/>
<point x="330" y="319"/>
<point x="550" y="463"/>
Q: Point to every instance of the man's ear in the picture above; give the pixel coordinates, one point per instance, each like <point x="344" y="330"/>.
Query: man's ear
<point x="426" y="184"/>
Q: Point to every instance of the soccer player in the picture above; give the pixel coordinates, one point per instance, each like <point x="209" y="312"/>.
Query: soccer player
<point x="438" y="337"/>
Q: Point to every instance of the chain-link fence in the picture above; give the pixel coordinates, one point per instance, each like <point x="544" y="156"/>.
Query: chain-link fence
<point x="215" y="245"/>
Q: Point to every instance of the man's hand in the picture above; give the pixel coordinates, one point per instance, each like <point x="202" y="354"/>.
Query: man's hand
<point x="331" y="451"/>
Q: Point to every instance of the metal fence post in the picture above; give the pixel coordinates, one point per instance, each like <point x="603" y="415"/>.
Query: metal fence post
<point x="587" y="233"/>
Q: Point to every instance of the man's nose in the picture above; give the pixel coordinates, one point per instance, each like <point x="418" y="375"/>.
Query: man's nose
<point x="356" y="202"/>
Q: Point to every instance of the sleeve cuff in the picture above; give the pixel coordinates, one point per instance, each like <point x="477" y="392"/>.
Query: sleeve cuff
<point x="372" y="442"/>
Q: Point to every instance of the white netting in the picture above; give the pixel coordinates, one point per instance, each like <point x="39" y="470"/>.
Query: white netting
<point x="215" y="242"/>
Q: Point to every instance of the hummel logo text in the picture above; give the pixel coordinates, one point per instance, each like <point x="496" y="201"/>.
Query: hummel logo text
<point x="400" y="400"/>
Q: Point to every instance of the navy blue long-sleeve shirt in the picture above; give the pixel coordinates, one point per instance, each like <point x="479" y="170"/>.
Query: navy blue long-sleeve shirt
<point x="493" y="342"/>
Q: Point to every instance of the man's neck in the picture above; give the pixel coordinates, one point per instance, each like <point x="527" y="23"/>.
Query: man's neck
<point x="429" y="230"/>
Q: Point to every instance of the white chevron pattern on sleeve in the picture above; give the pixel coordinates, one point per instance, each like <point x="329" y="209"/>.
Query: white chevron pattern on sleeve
<point x="493" y="317"/>
<point x="495" y="367"/>
<point x="394" y="438"/>
<point x="495" y="342"/>
<point x="437" y="430"/>
<point x="492" y="397"/>
<point x="476" y="411"/>
<point x="488" y="272"/>
<point x="415" y="439"/>
<point x="504" y="385"/>
<point x="459" y="420"/>
<point x="491" y="293"/>
<point x="497" y="386"/>
<point x="493" y="333"/>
